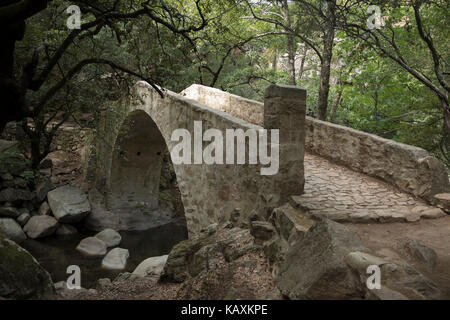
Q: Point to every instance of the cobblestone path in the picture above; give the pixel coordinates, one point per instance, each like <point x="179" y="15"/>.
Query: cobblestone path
<point x="343" y="195"/>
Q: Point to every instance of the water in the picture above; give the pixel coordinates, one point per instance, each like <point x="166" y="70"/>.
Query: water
<point x="56" y="253"/>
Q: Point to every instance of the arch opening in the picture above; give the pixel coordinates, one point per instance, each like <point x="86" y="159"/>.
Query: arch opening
<point x="143" y="186"/>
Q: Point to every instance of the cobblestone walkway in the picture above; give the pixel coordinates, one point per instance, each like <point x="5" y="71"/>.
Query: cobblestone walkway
<point x="343" y="195"/>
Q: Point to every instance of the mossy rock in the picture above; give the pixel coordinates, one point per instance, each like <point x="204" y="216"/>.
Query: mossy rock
<point x="12" y="161"/>
<point x="21" y="276"/>
<point x="181" y="259"/>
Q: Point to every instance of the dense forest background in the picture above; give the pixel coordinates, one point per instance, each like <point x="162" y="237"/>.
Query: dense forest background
<point x="382" y="70"/>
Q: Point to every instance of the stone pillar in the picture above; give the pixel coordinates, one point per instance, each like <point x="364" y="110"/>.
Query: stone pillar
<point x="285" y="109"/>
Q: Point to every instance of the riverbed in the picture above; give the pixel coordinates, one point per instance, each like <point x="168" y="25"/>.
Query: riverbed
<point x="56" y="253"/>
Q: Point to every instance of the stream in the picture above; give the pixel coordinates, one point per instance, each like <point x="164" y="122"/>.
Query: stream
<point x="56" y="253"/>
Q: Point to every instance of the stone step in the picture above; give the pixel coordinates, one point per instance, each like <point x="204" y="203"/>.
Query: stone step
<point x="369" y="215"/>
<point x="291" y="222"/>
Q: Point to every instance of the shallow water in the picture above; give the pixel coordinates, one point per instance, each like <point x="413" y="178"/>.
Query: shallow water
<point x="56" y="253"/>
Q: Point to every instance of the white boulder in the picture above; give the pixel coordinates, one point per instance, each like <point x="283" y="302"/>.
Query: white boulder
<point x="109" y="236"/>
<point x="116" y="259"/>
<point x="151" y="266"/>
<point x="11" y="230"/>
<point x="69" y="204"/>
<point x="40" y="226"/>
<point x="92" y="247"/>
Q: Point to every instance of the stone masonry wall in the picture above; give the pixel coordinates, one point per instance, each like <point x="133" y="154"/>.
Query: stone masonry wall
<point x="210" y="193"/>
<point x="248" y="110"/>
<point x="409" y="168"/>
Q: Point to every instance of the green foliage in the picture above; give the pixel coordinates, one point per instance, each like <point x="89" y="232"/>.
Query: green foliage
<point x="235" y="53"/>
<point x="12" y="161"/>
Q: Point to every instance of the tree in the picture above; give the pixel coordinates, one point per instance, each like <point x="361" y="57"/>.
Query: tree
<point x="30" y="86"/>
<point x="33" y="76"/>
<point x="315" y="25"/>
<point x="411" y="32"/>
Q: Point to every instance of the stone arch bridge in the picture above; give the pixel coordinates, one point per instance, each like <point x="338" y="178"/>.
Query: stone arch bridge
<point x="124" y="161"/>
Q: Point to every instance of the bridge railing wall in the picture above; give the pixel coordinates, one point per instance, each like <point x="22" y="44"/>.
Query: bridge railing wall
<point x="409" y="168"/>
<point x="245" y="109"/>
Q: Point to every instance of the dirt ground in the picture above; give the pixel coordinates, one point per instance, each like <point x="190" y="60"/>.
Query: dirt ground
<point x="385" y="240"/>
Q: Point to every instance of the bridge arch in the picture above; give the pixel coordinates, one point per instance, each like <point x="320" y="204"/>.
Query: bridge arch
<point x="136" y="165"/>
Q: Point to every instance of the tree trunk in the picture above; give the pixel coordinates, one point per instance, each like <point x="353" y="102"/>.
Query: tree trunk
<point x="325" y="70"/>
<point x="335" y="104"/>
<point x="275" y="61"/>
<point x="12" y="29"/>
<point x="290" y="45"/>
<point x="446" y="109"/>
<point x="302" y="63"/>
<point x="11" y="94"/>
<point x="291" y="63"/>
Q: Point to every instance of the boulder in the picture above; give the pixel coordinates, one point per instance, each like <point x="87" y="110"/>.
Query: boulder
<point x="421" y="253"/>
<point x="23" y="219"/>
<point x="109" y="236"/>
<point x="409" y="282"/>
<point x="151" y="266"/>
<point x="21" y="276"/>
<point x="11" y="160"/>
<point x="116" y="259"/>
<point x="68" y="294"/>
<point x="92" y="247"/>
<point x="360" y="261"/>
<point x="66" y="230"/>
<point x="315" y="266"/>
<point x="60" y="285"/>
<point x="46" y="163"/>
<point x="262" y="230"/>
<point x="9" y="229"/>
<point x="180" y="258"/>
<point x="69" y="204"/>
<point x="44" y="209"/>
<point x="433" y="213"/>
<point x="40" y="227"/>
<point x="291" y="223"/>
<point x="443" y="201"/>
<point x="43" y="187"/>
<point x="9" y="212"/>
<point x="193" y="256"/>
<point x="399" y="281"/>
<point x="385" y="293"/>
